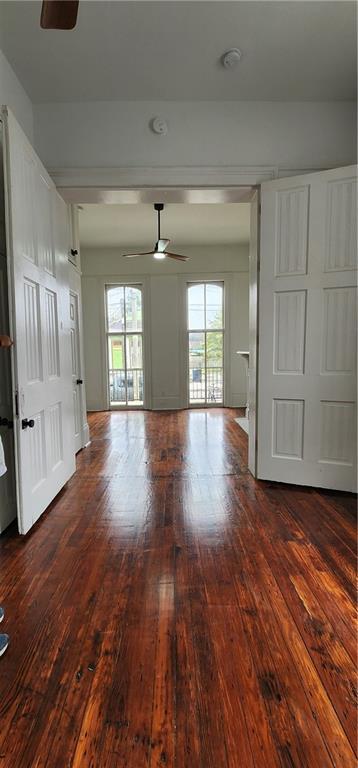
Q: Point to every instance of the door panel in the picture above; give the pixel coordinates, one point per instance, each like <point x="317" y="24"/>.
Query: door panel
<point x="307" y="330"/>
<point x="76" y="368"/>
<point x="38" y="246"/>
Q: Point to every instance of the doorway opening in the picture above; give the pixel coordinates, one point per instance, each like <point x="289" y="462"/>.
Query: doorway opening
<point x="182" y="350"/>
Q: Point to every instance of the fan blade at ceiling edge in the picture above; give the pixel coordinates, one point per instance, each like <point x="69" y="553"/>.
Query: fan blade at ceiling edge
<point x="161" y="245"/>
<point x="135" y="255"/>
<point x="176" y="256"/>
<point x="59" y="14"/>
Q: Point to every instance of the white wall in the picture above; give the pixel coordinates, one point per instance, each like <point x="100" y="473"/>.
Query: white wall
<point x="114" y="134"/>
<point x="164" y="287"/>
<point x="14" y="96"/>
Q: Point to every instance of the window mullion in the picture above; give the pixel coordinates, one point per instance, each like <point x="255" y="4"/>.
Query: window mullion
<point x="205" y="354"/>
<point x="125" y="344"/>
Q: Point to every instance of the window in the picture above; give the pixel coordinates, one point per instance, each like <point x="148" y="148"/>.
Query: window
<point x="125" y="345"/>
<point x="206" y="343"/>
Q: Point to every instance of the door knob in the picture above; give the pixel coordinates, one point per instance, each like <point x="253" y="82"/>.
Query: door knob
<point x="27" y="423"/>
<point x="6" y="423"/>
<point x="79" y="381"/>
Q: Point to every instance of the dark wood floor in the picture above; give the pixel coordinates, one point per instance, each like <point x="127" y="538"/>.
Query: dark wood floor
<point x="169" y="611"/>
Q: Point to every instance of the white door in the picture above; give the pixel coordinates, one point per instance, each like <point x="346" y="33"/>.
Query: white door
<point x="307" y="383"/>
<point x="77" y="381"/>
<point x="7" y="481"/>
<point x="253" y="302"/>
<point x="37" y="241"/>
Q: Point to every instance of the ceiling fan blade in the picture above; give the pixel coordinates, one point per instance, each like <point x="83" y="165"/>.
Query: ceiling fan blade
<point x="176" y="256"/>
<point x="161" y="245"/>
<point x="135" y="255"/>
<point x="59" y="14"/>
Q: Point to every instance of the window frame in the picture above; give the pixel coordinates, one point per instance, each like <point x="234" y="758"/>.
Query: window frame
<point x="223" y="329"/>
<point x="127" y="405"/>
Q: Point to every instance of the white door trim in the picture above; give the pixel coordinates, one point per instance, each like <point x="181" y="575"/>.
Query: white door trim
<point x="100" y="185"/>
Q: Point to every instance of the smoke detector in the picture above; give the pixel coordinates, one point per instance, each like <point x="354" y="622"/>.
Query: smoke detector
<point x="231" y="58"/>
<point x="159" y="126"/>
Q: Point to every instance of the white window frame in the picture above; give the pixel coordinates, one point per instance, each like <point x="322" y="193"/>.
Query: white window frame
<point x="205" y="331"/>
<point x="215" y="277"/>
<point x="108" y="286"/>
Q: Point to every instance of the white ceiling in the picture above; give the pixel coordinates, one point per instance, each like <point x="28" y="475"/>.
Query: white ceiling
<point x="112" y="226"/>
<point x="171" y="50"/>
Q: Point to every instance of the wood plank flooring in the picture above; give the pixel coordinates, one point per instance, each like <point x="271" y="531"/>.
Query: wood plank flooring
<point x="170" y="612"/>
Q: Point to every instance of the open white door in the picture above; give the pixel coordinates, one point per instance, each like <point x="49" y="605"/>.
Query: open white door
<point x="37" y="242"/>
<point x="307" y="382"/>
<point x="253" y="329"/>
<point x="77" y="381"/>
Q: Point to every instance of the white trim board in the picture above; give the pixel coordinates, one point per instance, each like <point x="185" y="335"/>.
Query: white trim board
<point x="142" y="184"/>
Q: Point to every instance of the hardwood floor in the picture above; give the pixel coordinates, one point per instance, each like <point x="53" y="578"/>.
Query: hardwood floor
<point x="168" y="610"/>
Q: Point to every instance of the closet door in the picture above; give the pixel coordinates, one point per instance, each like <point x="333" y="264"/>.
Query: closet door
<point x="37" y="237"/>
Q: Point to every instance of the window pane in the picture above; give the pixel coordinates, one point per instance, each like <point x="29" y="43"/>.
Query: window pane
<point x="214" y="350"/>
<point x="197" y="367"/>
<point x="115" y="309"/>
<point x="117" y="386"/>
<point x="133" y="309"/>
<point x="134" y="351"/>
<point x="214" y="306"/>
<point x="117" y="383"/>
<point x="135" y="387"/>
<point x="214" y="385"/>
<point x="196" y="317"/>
<point x="116" y="352"/>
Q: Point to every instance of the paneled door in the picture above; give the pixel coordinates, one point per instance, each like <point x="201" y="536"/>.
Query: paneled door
<point x="7" y="481"/>
<point x="77" y="381"/>
<point x="307" y="382"/>
<point x="37" y="242"/>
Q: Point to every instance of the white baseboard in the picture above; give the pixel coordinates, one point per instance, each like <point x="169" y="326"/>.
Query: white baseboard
<point x="85" y="435"/>
<point x="166" y="403"/>
<point x="238" y="400"/>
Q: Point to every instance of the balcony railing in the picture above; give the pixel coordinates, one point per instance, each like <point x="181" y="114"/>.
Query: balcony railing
<point x="206" y="385"/>
<point x="126" y="387"/>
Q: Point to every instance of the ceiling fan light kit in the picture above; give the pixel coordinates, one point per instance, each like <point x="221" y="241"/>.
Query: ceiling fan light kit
<point x="160" y="249"/>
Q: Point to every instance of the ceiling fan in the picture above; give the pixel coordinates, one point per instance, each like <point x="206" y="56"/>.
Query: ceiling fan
<point x="160" y="248"/>
<point x="59" y="14"/>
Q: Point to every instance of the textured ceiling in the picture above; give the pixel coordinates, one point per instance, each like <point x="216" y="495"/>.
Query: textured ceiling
<point x="113" y="226"/>
<point x="293" y="51"/>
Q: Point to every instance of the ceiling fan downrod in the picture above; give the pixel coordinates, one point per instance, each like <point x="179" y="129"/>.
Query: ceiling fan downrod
<point x="158" y="207"/>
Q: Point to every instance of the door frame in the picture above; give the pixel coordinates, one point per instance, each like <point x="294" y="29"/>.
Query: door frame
<point x="176" y="184"/>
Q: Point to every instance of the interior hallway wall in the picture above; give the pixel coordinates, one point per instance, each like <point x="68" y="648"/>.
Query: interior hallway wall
<point x="165" y="284"/>
<point x="14" y="96"/>
<point x="117" y="134"/>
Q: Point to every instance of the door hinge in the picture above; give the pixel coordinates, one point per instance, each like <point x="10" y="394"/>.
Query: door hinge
<point x="16" y="403"/>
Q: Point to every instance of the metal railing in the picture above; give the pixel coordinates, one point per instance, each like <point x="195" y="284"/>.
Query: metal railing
<point x="206" y="385"/>
<point x="126" y="387"/>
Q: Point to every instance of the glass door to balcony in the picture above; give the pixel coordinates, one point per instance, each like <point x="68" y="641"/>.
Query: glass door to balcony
<point x="124" y="319"/>
<point x="206" y="343"/>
